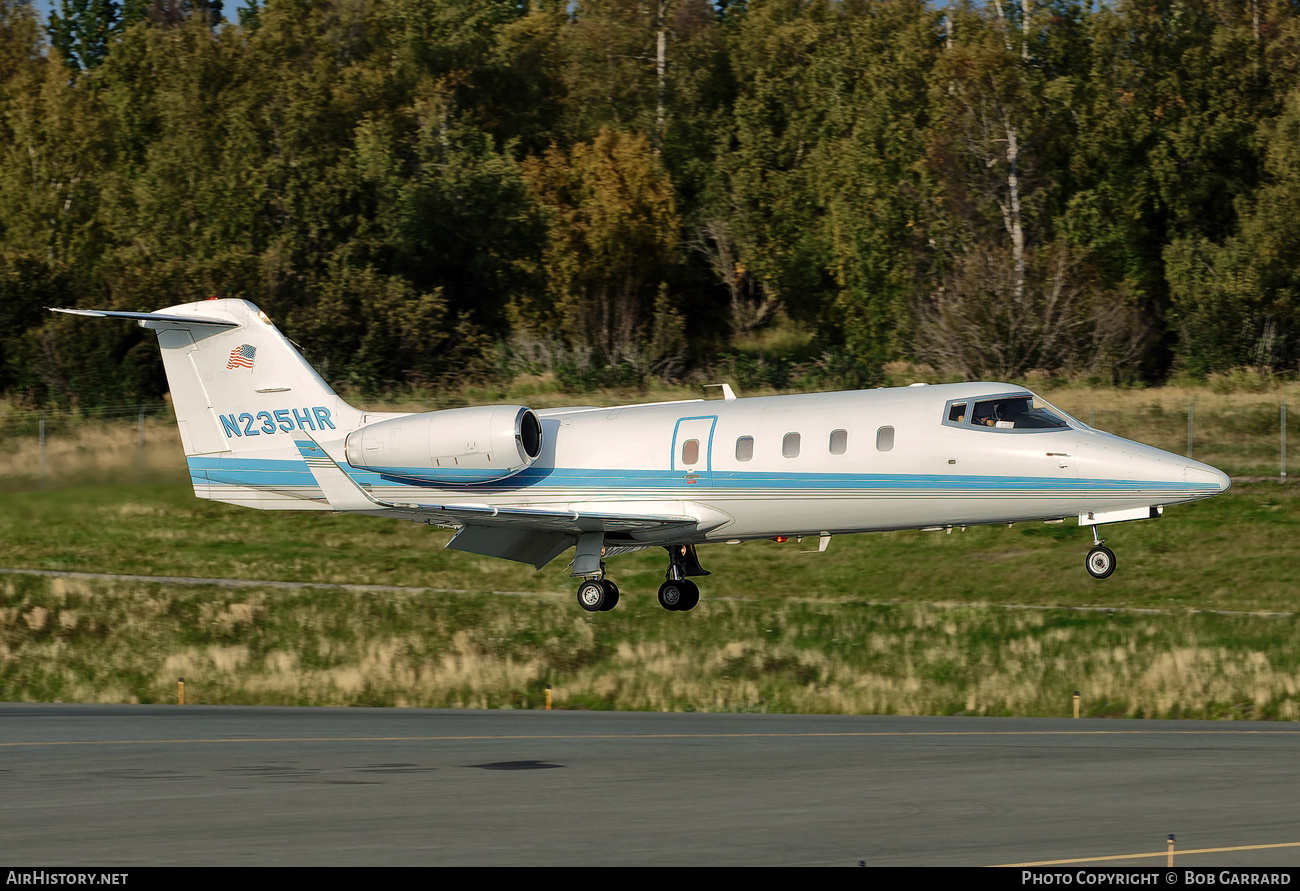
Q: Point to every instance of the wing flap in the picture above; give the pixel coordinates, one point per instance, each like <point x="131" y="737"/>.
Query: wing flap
<point x="519" y="545"/>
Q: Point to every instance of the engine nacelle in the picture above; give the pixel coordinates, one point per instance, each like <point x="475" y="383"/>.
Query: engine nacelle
<point x="458" y="446"/>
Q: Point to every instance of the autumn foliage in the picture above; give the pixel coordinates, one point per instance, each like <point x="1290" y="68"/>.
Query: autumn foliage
<point x="428" y="191"/>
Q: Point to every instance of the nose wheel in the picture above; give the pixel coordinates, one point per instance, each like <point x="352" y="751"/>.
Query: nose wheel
<point x="1100" y="562"/>
<point x="1101" y="559"/>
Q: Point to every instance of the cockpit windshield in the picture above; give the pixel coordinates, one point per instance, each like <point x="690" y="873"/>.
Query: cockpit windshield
<point x="1017" y="411"/>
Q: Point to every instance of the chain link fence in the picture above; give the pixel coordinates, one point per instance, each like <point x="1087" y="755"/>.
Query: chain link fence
<point x="41" y="446"/>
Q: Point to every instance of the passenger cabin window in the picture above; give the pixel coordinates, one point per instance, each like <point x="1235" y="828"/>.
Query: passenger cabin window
<point x="790" y="445"/>
<point x="839" y="441"/>
<point x="885" y="439"/>
<point x="745" y="448"/>
<point x="1021" y="412"/>
<point x="690" y="452"/>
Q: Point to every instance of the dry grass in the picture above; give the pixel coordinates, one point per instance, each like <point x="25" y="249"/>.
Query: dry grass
<point x="99" y="641"/>
<point x="90" y="451"/>
<point x="1236" y="428"/>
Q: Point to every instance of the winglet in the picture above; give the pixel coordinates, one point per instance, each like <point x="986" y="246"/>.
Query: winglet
<point x="341" y="491"/>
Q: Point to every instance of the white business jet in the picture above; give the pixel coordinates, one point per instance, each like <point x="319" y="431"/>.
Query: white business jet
<point x="262" y="429"/>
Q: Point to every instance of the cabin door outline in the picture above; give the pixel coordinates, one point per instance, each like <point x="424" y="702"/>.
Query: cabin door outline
<point x="700" y="429"/>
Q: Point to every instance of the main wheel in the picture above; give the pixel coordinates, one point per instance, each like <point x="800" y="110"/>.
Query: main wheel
<point x="611" y="595"/>
<point x="690" y="595"/>
<point x="671" y="594"/>
<point x="592" y="596"/>
<point x="1100" y="562"/>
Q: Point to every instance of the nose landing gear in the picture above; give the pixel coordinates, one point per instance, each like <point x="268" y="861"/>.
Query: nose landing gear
<point x="1101" y="559"/>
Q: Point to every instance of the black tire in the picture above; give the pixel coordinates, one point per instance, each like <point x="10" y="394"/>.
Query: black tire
<point x="611" y="595"/>
<point x="592" y="596"/>
<point x="671" y="594"/>
<point x="690" y="596"/>
<point x="1100" y="562"/>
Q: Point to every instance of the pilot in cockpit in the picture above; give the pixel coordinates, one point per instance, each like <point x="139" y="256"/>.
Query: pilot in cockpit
<point x="1014" y="412"/>
<point x="985" y="414"/>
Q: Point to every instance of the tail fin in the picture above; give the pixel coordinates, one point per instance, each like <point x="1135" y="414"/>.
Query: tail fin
<point x="239" y="388"/>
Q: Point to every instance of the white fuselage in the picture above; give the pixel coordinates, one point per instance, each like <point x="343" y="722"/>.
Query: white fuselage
<point x="865" y="460"/>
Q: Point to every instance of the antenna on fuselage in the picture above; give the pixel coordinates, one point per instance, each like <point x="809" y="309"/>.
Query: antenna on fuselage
<point x="728" y="395"/>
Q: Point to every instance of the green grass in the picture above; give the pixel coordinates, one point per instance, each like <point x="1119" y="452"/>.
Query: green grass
<point x="985" y="621"/>
<point x="1233" y="552"/>
<point x="905" y="623"/>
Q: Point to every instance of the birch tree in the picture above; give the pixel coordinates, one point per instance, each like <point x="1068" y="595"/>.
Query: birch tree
<point x="1018" y="295"/>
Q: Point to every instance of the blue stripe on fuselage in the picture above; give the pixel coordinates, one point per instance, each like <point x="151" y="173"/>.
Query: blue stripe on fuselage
<point x="255" y="472"/>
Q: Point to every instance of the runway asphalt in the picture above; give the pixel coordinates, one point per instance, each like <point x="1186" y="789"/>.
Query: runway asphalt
<point x="121" y="785"/>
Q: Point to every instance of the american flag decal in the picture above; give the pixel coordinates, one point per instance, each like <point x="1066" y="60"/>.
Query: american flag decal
<point x="242" y="356"/>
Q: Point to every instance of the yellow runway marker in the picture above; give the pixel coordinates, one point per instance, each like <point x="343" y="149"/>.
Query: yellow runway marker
<point x="565" y="736"/>
<point x="1152" y="854"/>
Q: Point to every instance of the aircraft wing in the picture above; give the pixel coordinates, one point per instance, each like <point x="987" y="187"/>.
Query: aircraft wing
<point x="571" y="521"/>
<point x="526" y="535"/>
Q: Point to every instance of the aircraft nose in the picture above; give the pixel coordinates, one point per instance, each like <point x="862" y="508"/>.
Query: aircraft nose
<point x="1204" y="476"/>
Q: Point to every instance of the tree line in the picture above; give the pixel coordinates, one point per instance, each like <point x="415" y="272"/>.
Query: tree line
<point x="428" y="191"/>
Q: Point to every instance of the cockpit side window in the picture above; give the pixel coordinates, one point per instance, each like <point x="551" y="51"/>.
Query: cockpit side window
<point x="1014" y="412"/>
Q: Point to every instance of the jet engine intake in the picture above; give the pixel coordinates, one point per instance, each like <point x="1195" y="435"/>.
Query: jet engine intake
<point x="457" y="446"/>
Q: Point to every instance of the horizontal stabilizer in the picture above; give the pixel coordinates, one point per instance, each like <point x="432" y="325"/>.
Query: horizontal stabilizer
<point x="239" y="388"/>
<point x="148" y="319"/>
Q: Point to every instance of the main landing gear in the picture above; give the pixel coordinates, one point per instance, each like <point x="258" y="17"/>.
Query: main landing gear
<point x="677" y="594"/>
<point x="597" y="595"/>
<point x="1101" y="559"/>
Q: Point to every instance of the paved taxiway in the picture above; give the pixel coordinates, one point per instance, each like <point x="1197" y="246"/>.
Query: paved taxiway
<point x="140" y="785"/>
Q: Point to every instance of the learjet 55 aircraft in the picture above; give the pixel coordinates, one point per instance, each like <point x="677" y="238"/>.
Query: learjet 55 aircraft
<point x="262" y="429"/>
